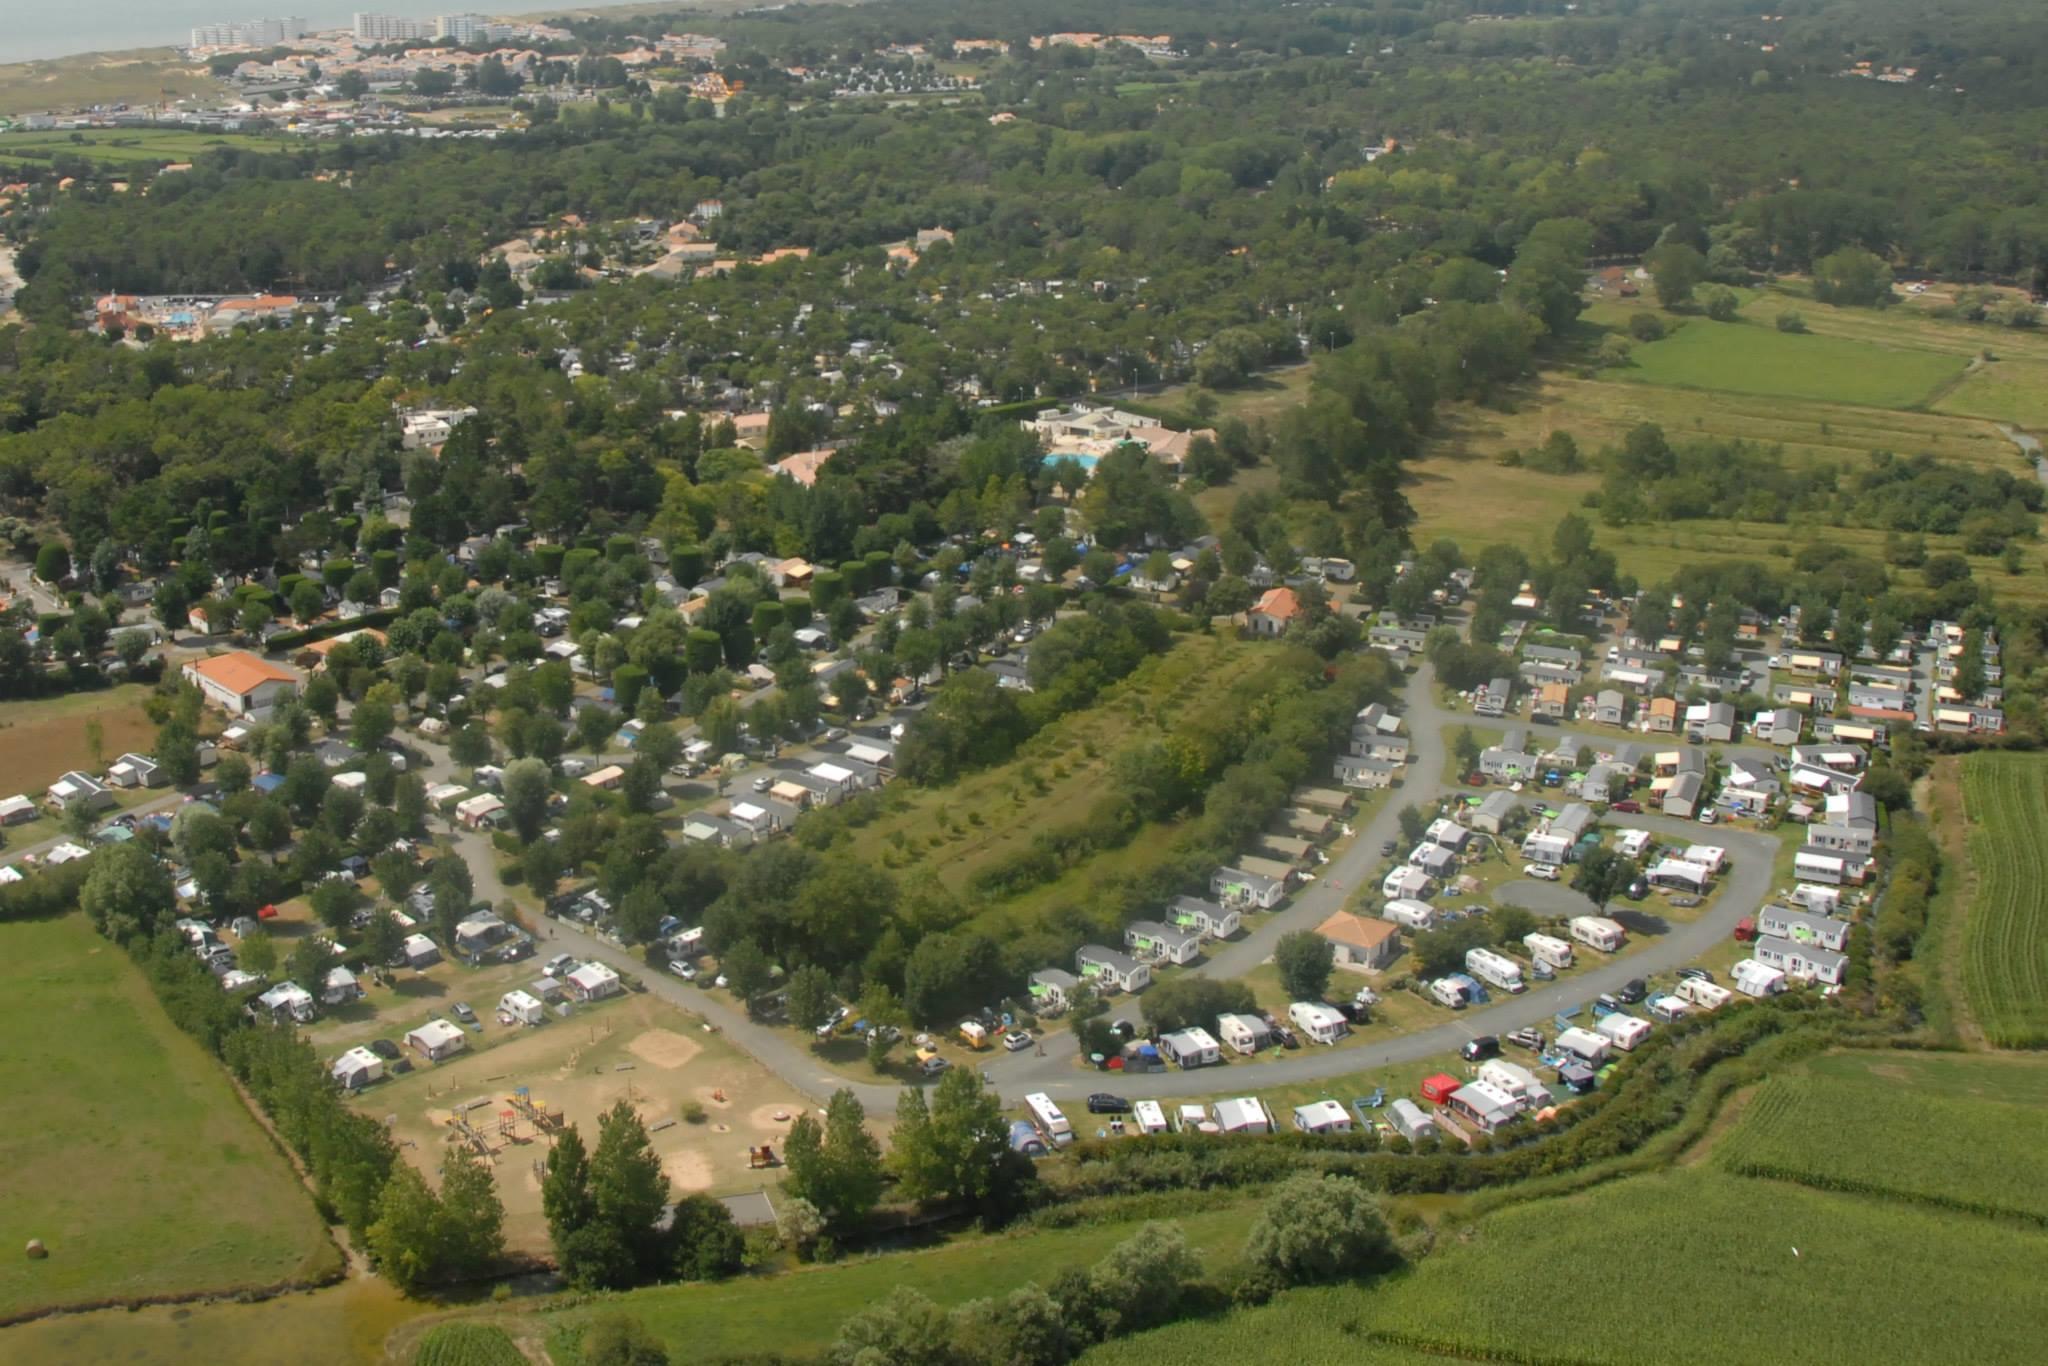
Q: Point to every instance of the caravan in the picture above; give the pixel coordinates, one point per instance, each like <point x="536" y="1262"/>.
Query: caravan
<point x="1046" y="1115"/>
<point x="1495" y="969"/>
<point x="1598" y="932"/>
<point x="1548" y="949"/>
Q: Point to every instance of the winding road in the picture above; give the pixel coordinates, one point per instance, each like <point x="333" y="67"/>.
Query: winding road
<point x="1746" y="884"/>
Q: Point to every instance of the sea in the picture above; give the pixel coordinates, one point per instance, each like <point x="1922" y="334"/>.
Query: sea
<point x="32" y="30"/>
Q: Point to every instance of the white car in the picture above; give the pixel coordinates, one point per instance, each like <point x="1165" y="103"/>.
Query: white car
<point x="1017" y="1040"/>
<point x="686" y="971"/>
<point x="1542" y="872"/>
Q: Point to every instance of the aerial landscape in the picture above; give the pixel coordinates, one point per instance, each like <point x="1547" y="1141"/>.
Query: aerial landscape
<point x="1000" y="682"/>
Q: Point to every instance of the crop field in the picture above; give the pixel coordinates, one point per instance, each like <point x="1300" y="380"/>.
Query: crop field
<point x="1905" y="1126"/>
<point x="2005" y="930"/>
<point x="966" y="826"/>
<point x="1692" y="1266"/>
<point x="468" y="1344"/>
<point x="127" y="1151"/>
<point x="45" y="737"/>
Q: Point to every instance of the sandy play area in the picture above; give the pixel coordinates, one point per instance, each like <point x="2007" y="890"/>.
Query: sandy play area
<point x="653" y="1056"/>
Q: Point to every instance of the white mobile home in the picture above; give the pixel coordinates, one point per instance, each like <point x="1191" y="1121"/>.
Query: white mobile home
<point x="1158" y="943"/>
<point x="1623" y="1031"/>
<point x="1807" y="962"/>
<point x="1410" y="915"/>
<point x="1191" y="1047"/>
<point x="522" y="1007"/>
<point x="1583" y="1044"/>
<point x="1548" y="948"/>
<point x="1317" y="1022"/>
<point x="1706" y="995"/>
<point x="1111" y="969"/>
<point x="1322" y="1117"/>
<point x="1516" y="1080"/>
<point x="1483" y="1104"/>
<point x="1597" y="932"/>
<point x="1205" y="918"/>
<point x="1149" y="1117"/>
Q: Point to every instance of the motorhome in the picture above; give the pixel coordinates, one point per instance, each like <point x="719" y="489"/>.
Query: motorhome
<point x="1547" y="948"/>
<point x="1046" y="1115"/>
<point x="1495" y="969"/>
<point x="1598" y="932"/>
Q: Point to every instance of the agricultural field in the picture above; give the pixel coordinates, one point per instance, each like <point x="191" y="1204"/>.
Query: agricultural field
<point x="704" y="1101"/>
<point x="2007" y="390"/>
<point x="1692" y="1265"/>
<point x="144" y="75"/>
<point x="126" y="1136"/>
<point x="468" y="1344"/>
<point x="961" y="828"/>
<point x="49" y="735"/>
<point x="127" y="146"/>
<point x="2005" y="929"/>
<point x="1905" y="1111"/>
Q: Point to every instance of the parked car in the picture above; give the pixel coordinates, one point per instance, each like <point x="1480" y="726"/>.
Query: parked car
<point x="1708" y="816"/>
<point x="1103" y="1103"/>
<point x="1123" y="1030"/>
<point x="1637" y="890"/>
<point x="1695" y="975"/>
<point x="461" y="1011"/>
<point x="1530" y="1039"/>
<point x="763" y="783"/>
<point x="385" y="1049"/>
<point x="1542" y="872"/>
<point x="561" y="965"/>
<point x="1633" y="990"/>
<point x="1628" y="807"/>
<point x="686" y="971"/>
<point x="1017" y="1040"/>
<point x="933" y="1065"/>
<point x="1480" y="1049"/>
<point x="1387" y="848"/>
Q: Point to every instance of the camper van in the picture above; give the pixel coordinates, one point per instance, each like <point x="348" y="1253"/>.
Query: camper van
<point x="1049" y="1120"/>
<point x="1669" y="1008"/>
<point x="1548" y="948"/>
<point x="1706" y="995"/>
<point x="1149" y="1117"/>
<point x="1598" y="932"/>
<point x="1495" y="969"/>
<point x="1410" y="915"/>
<point x="1448" y="993"/>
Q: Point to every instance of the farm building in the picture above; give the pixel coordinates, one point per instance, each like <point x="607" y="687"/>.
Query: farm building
<point x="1192" y="1047"/>
<point x="1359" y="942"/>
<point x="436" y="1040"/>
<point x="1322" y="1117"/>
<point x="1243" y="1033"/>
<point x="593" y="982"/>
<point x="357" y="1068"/>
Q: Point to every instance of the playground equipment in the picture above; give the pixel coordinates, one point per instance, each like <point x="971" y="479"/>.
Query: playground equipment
<point x="543" y="1116"/>
<point x="763" y="1156"/>
<point x="479" y="1141"/>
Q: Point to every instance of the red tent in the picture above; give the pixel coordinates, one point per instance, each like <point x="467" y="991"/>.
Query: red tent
<point x="1437" y="1089"/>
<point x="267" y="913"/>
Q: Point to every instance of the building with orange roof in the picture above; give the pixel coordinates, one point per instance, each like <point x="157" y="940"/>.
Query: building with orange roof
<point x="1360" y="943"/>
<point x="803" y="466"/>
<point x="241" y="684"/>
<point x="1273" y="613"/>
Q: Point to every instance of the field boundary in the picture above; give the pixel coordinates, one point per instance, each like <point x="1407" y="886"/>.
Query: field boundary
<point x="1948" y="810"/>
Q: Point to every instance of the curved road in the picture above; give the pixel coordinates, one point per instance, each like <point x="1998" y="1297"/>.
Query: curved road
<point x="1745" y="886"/>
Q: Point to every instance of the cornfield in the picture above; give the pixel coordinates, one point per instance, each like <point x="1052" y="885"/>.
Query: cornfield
<point x="468" y="1344"/>
<point x="1869" y="1136"/>
<point x="1698" y="1266"/>
<point x="2005" y="938"/>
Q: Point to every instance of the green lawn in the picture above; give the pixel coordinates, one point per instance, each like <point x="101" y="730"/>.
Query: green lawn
<point x="2014" y="391"/>
<point x="1753" y="357"/>
<point x="801" y="1312"/>
<point x="128" y="146"/>
<point x="129" y="1154"/>
<point x="2005" y="936"/>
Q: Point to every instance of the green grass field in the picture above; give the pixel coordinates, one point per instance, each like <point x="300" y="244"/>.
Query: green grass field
<point x="1691" y="1265"/>
<point x="141" y="76"/>
<point x="1749" y="357"/>
<point x="2005" y="931"/>
<point x="1906" y="1112"/>
<point x="2014" y="391"/>
<point x="130" y="1156"/>
<point x="800" y="1313"/>
<point x="128" y="146"/>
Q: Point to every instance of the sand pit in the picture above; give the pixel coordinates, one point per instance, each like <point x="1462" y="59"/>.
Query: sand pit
<point x="763" y="1117"/>
<point x="663" y="1048"/>
<point x="717" y="1097"/>
<point x="689" y="1170"/>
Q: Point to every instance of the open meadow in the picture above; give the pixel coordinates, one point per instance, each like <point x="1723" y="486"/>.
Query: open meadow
<point x="127" y="1150"/>
<point x="640" y="1050"/>
<point x="44" y="737"/>
<point x="127" y="146"/>
<point x="139" y="76"/>
<point x="2005" y="928"/>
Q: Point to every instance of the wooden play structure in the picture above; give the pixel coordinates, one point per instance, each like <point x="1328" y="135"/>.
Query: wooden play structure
<point x="763" y="1156"/>
<point x="544" y="1118"/>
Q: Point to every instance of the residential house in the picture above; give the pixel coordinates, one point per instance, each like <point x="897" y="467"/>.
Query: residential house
<point x="1803" y="660"/>
<point x="1710" y="722"/>
<point x="1493" y="699"/>
<point x="1275" y="611"/>
<point x="1633" y="678"/>
<point x="1392" y="748"/>
<point x="1661" y="716"/>
<point x="1375" y="719"/>
<point x="1363" y="773"/>
<point x="1969" y="720"/>
<point x="1856" y="809"/>
<point x="1110" y="969"/>
<point x="1395" y="638"/>
<point x="136" y="770"/>
<point x="1154" y="942"/>
<point x="1493" y="812"/>
<point x="241" y="684"/>
<point x="1803" y="927"/>
<point x="1552" y="700"/>
<point x="1205" y="918"/>
<point x="1604" y="783"/>
<point x="1776" y="726"/>
<point x="1682" y="795"/>
<point x="1610" y="708"/>
<point x="1807" y="962"/>
<point x="1243" y="887"/>
<point x="1052" y="990"/>
<point x="81" y="791"/>
<point x="1714" y="681"/>
<point x="1842" y="839"/>
<point x="1853" y="731"/>
<point x="1505" y="765"/>
<point x="1827" y="866"/>
<point x="1358" y="942"/>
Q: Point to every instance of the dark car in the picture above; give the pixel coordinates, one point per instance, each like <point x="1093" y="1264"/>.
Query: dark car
<point x="1633" y="990"/>
<point x="1695" y="975"/>
<point x="1480" y="1049"/>
<point x="1103" y="1103"/>
<point x="1637" y="890"/>
<point x="1123" y="1029"/>
<point x="1387" y="848"/>
<point x="1628" y="808"/>
<point x="1286" y="1037"/>
<point x="385" y="1049"/>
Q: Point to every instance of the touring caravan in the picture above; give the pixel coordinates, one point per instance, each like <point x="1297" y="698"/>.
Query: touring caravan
<point x="1598" y="932"/>
<point x="1706" y="995"/>
<point x="1495" y="969"/>
<point x="1623" y="1031"/>
<point x="1046" y="1115"/>
<point x="1548" y="948"/>
<point x="1584" y="1045"/>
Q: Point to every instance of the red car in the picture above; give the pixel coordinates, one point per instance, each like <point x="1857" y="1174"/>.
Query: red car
<point x="1630" y="808"/>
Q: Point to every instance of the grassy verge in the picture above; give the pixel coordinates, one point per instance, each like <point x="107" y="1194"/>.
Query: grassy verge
<point x="127" y="1150"/>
